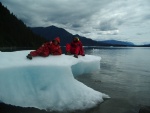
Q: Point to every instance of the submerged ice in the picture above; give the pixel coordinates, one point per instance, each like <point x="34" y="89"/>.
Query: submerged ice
<point x="47" y="83"/>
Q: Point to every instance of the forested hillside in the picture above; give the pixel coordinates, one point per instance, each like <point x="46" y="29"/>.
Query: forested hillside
<point x="14" y="33"/>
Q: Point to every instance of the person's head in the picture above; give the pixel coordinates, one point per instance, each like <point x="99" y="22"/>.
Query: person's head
<point x="75" y="39"/>
<point x="56" y="41"/>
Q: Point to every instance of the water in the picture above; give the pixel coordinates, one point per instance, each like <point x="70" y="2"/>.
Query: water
<point x="124" y="76"/>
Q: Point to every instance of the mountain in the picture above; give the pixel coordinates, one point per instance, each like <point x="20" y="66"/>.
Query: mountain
<point x="147" y="45"/>
<point x="14" y="33"/>
<point x="144" y="45"/>
<point x="51" y="32"/>
<point x="117" y="43"/>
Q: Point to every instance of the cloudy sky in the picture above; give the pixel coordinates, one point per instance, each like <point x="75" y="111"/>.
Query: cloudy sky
<point x="125" y="20"/>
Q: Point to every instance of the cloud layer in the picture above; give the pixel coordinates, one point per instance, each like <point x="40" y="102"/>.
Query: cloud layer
<point x="126" y="20"/>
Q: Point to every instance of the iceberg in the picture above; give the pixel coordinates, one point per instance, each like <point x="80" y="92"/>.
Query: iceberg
<point x="47" y="82"/>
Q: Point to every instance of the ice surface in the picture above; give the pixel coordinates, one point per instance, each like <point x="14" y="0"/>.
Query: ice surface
<point x="47" y="83"/>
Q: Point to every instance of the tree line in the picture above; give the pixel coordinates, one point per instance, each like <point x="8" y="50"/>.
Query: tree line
<point x="14" y="33"/>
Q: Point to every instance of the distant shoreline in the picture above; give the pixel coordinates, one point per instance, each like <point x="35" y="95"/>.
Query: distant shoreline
<point x="11" y="49"/>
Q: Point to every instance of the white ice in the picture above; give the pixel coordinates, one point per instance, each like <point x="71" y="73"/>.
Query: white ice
<point x="47" y="83"/>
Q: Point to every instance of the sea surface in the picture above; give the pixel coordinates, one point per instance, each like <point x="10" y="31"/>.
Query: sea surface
<point x="124" y="75"/>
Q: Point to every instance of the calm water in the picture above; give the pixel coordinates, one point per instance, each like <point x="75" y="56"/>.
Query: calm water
<point x="124" y="76"/>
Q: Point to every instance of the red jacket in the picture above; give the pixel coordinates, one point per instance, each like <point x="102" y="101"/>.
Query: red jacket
<point x="52" y="48"/>
<point x="48" y="48"/>
<point x="75" y="48"/>
<point x="55" y="49"/>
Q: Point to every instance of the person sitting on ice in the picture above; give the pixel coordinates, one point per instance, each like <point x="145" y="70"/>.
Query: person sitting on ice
<point x="75" y="47"/>
<point x="46" y="49"/>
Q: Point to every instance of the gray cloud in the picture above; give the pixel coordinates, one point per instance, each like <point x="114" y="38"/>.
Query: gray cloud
<point x="110" y="24"/>
<point x="76" y="25"/>
<point x="97" y="19"/>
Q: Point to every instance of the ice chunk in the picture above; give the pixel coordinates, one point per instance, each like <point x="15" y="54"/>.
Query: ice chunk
<point x="47" y="83"/>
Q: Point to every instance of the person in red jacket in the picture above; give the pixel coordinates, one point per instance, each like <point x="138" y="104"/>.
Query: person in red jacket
<point x="46" y="49"/>
<point x="75" y="47"/>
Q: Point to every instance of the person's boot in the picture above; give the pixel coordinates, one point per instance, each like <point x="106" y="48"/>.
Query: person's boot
<point x="76" y="56"/>
<point x="29" y="56"/>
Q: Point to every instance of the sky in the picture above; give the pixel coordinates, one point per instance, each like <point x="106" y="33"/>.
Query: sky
<point x="124" y="20"/>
